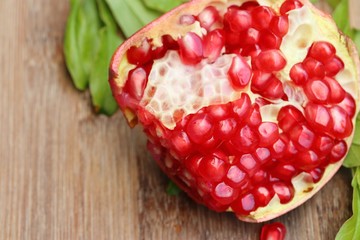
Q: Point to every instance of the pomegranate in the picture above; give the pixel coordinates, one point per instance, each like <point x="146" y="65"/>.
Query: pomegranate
<point x="248" y="106"/>
<point x="273" y="231"/>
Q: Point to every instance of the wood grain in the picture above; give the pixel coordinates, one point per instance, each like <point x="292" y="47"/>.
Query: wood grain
<point x="66" y="173"/>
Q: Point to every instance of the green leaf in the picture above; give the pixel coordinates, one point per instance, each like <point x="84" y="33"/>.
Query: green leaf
<point x="164" y="5"/>
<point x="131" y="15"/>
<point x="351" y="228"/>
<point x="172" y="189"/>
<point x="100" y="90"/>
<point x="353" y="157"/>
<point x="341" y="14"/>
<point x="106" y="15"/>
<point x="333" y="3"/>
<point x="356" y="39"/>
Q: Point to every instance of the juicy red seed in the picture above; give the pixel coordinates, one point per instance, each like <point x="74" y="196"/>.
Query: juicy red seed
<point x="191" y="48"/>
<point x="289" y="5"/>
<point x="275" y="89"/>
<point x="263" y="154"/>
<point x="338" y="151"/>
<point x="212" y="168"/>
<point x="187" y="19"/>
<point x="278" y="149"/>
<point x="232" y="41"/>
<point x="244" y="204"/>
<point x="314" y="68"/>
<point x="241" y="107"/>
<point x="318" y="117"/>
<point x="316" y="174"/>
<point x="246" y="139"/>
<point x="200" y="128"/>
<point x="284" y="191"/>
<point x="317" y="91"/>
<point x="268" y="40"/>
<point x="298" y="74"/>
<point x="260" y="81"/>
<point x="238" y="20"/>
<point x="254" y="116"/>
<point x="225" y="129"/>
<point x="219" y="112"/>
<point x="288" y="117"/>
<point x="239" y="73"/>
<point x="169" y="42"/>
<point x="224" y="194"/>
<point x="262" y="17"/>
<point x="263" y="195"/>
<point x="208" y="17"/>
<point x="342" y="125"/>
<point x="349" y="105"/>
<point x="137" y="82"/>
<point x="302" y="137"/>
<point x="247" y="162"/>
<point x="181" y="143"/>
<point x="236" y="177"/>
<point x="192" y="163"/>
<point x="284" y="172"/>
<point x="139" y="55"/>
<point x="214" y="42"/>
<point x="279" y="25"/>
<point x="250" y="50"/>
<point x="323" y="145"/>
<point x="337" y="93"/>
<point x="291" y="149"/>
<point x="273" y="231"/>
<point x="322" y="51"/>
<point x="249" y="5"/>
<point x="333" y="66"/>
<point x="215" y="205"/>
<point x="307" y="160"/>
<point x="250" y="36"/>
<point x="260" y="176"/>
<point x="270" y="61"/>
<point x="212" y="143"/>
<point x="268" y="132"/>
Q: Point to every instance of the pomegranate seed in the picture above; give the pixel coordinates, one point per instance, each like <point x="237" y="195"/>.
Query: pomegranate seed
<point x="349" y="105"/>
<point x="268" y="40"/>
<point x="268" y="132"/>
<point x="317" y="91"/>
<point x="291" y="149"/>
<point x="247" y="162"/>
<point x="288" y="117"/>
<point x="241" y="107"/>
<point x="225" y="129"/>
<point x="238" y="20"/>
<point x="139" y="55"/>
<point x="191" y="48"/>
<point x="260" y="81"/>
<point x="322" y="51"/>
<point x="215" y="205"/>
<point x="316" y="174"/>
<point x="302" y="137"/>
<point x="192" y="163"/>
<point x="270" y="61"/>
<point x="323" y="145"/>
<point x="200" y="128"/>
<point x="235" y="177"/>
<point x="224" y="194"/>
<point x="337" y="93"/>
<point x="254" y="117"/>
<point x="260" y="176"/>
<point x="275" y="89"/>
<point x="214" y="42"/>
<point x="314" y="68"/>
<point x="239" y="73"/>
<point x="279" y="25"/>
<point x="342" y="125"/>
<point x="233" y="42"/>
<point x="262" y="17"/>
<point x="250" y="36"/>
<point x="208" y="17"/>
<point x="333" y="66"/>
<point x="289" y="5"/>
<point x="263" y="154"/>
<point x="298" y="74"/>
<point x="284" y="172"/>
<point x="219" y="112"/>
<point x="250" y="50"/>
<point x="278" y="149"/>
<point x="307" y="160"/>
<point x="249" y="5"/>
<point x="318" y="117"/>
<point x="263" y="195"/>
<point x="181" y="143"/>
<point x="244" y="204"/>
<point x="187" y="19"/>
<point x="338" y="151"/>
<point x="284" y="191"/>
<point x="212" y="168"/>
<point x="136" y="83"/>
<point x="273" y="231"/>
<point x="212" y="143"/>
<point x="246" y="139"/>
<point x="169" y="42"/>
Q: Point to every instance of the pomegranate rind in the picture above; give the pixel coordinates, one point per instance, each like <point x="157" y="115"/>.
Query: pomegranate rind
<point x="167" y="24"/>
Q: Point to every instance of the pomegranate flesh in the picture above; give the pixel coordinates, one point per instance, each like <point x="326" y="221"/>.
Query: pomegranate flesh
<point x="248" y="106"/>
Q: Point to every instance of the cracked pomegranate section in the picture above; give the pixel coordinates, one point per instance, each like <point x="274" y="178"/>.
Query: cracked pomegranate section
<point x="249" y="106"/>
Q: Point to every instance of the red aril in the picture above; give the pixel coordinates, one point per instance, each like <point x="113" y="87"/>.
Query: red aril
<point x="273" y="231"/>
<point x="243" y="109"/>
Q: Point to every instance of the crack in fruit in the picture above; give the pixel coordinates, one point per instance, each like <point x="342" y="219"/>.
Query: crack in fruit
<point x="243" y="110"/>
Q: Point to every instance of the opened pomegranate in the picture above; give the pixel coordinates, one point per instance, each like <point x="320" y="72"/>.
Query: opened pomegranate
<point x="249" y="106"/>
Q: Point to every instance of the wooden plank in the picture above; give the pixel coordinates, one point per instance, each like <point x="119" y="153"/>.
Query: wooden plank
<point x="66" y="173"/>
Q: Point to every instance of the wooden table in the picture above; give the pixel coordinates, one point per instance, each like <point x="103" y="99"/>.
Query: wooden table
<point x="66" y="173"/>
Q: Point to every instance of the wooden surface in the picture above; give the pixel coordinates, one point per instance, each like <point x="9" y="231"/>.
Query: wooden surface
<point x="66" y="173"/>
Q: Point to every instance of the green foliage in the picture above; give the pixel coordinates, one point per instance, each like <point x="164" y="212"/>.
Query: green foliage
<point x="162" y="5"/>
<point x="172" y="189"/>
